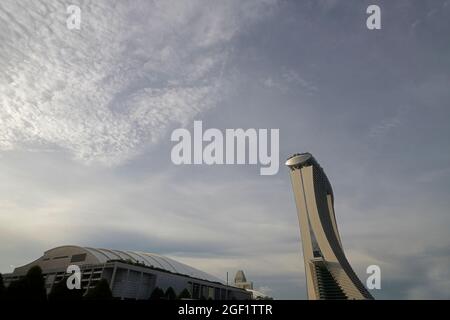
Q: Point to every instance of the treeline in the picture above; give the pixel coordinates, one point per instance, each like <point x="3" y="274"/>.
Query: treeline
<point x="159" y="294"/>
<point x="32" y="287"/>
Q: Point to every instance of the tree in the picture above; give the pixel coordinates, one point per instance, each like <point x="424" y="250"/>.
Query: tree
<point x="30" y="287"/>
<point x="60" y="292"/>
<point x="2" y="288"/>
<point x="157" y="294"/>
<point x="35" y="284"/>
<point x="170" y="294"/>
<point x="101" y="291"/>
<point x="185" y="294"/>
<point x="16" y="290"/>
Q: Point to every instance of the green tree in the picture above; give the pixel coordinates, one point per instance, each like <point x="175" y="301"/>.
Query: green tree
<point x="170" y="294"/>
<point x="60" y="292"/>
<point x="157" y="294"/>
<point x="101" y="291"/>
<point x="185" y="294"/>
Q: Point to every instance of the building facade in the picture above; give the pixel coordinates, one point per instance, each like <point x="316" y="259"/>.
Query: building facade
<point x="130" y="274"/>
<point x="328" y="272"/>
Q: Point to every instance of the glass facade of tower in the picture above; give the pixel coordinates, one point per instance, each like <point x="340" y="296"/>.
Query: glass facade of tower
<point x="328" y="272"/>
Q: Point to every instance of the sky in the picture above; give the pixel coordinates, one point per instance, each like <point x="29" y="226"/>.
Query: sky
<point x="86" y="117"/>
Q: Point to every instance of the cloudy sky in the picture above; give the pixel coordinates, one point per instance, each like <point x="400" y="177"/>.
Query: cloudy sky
<point x="86" y="117"/>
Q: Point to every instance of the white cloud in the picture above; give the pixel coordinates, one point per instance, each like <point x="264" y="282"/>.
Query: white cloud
<point x="160" y="212"/>
<point x="265" y="290"/>
<point x="382" y="128"/>
<point x="109" y="89"/>
<point x="291" y="76"/>
<point x="289" y="80"/>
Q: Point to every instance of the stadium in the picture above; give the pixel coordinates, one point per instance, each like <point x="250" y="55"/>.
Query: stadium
<point x="131" y="275"/>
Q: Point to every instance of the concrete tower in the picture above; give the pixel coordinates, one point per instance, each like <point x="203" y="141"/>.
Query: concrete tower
<point x="328" y="273"/>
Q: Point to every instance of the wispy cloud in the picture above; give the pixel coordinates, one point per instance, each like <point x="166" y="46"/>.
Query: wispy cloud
<point x="386" y="125"/>
<point x="107" y="90"/>
<point x="289" y="80"/>
<point x="138" y="68"/>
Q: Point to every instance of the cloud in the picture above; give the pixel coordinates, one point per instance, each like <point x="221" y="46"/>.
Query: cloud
<point x="289" y="80"/>
<point x="424" y="275"/>
<point x="292" y="77"/>
<point x="155" y="213"/>
<point x="112" y="89"/>
<point x="265" y="290"/>
<point x="108" y="90"/>
<point x="270" y="83"/>
<point x="388" y="124"/>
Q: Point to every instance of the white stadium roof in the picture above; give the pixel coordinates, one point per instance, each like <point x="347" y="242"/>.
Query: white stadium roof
<point x="65" y="255"/>
<point x="151" y="260"/>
